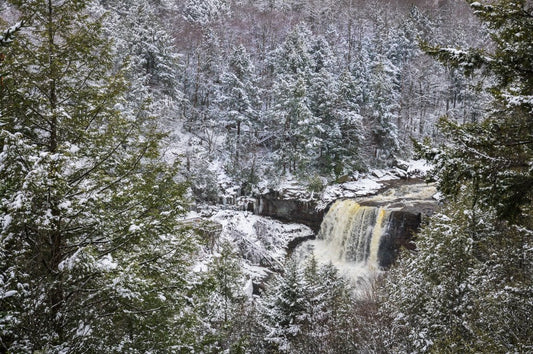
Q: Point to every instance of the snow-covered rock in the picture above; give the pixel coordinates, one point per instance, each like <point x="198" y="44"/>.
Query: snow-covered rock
<point x="262" y="242"/>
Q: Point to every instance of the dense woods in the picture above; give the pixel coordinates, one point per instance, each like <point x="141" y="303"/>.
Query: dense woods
<point x="118" y="118"/>
<point x="325" y="88"/>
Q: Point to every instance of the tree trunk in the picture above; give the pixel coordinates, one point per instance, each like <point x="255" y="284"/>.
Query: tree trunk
<point x="56" y="297"/>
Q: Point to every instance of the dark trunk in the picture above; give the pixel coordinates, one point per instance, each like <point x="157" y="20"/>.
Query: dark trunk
<point x="56" y="296"/>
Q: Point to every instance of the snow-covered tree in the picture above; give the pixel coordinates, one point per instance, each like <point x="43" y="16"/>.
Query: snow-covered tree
<point x="285" y="308"/>
<point x="384" y="108"/>
<point x="348" y="150"/>
<point x="470" y="282"/>
<point x="337" y="129"/>
<point x="8" y="34"/>
<point x="390" y="50"/>
<point x="291" y="117"/>
<point x="465" y="289"/>
<point x="226" y="305"/>
<point x="240" y="110"/>
<point x="204" y="11"/>
<point x="87" y="207"/>
<point x="153" y="64"/>
<point x="329" y="304"/>
<point x="497" y="152"/>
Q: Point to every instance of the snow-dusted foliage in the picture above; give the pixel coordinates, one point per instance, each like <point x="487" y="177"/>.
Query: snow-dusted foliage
<point x="204" y="11"/>
<point x="88" y="209"/>
<point x="151" y="60"/>
<point x="342" y="87"/>
<point x="240" y="105"/>
<point x="7" y="36"/>
<point x="314" y="310"/>
<point x="466" y="289"/>
<point x="240" y="252"/>
<point x="99" y="100"/>
<point x="261" y="242"/>
<point x="469" y="287"/>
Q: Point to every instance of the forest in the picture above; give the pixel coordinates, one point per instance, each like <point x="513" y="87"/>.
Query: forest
<point x="135" y="135"/>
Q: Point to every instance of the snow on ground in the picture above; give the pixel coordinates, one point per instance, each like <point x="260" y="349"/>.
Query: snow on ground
<point x="362" y="187"/>
<point x="262" y="242"/>
<point x="418" y="168"/>
<point x="372" y="182"/>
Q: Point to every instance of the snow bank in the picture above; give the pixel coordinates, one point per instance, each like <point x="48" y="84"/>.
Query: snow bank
<point x="262" y="242"/>
<point x="360" y="185"/>
<point x="372" y="182"/>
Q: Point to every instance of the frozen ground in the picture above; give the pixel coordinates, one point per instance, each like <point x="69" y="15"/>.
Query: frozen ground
<point x="360" y="185"/>
<point x="260" y="242"/>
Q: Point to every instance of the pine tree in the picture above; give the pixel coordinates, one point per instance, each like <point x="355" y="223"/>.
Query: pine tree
<point x="202" y="12"/>
<point x="152" y="62"/>
<point x="140" y="38"/>
<point x="329" y="304"/>
<point x="284" y="309"/>
<point x="337" y="130"/>
<point x="498" y="158"/>
<point x="227" y="303"/>
<point x="465" y="289"/>
<point x="470" y="283"/>
<point x="384" y="108"/>
<point x="88" y="209"/>
<point x="8" y="34"/>
<point x="294" y="123"/>
<point x="293" y="118"/>
<point x="348" y="150"/>
<point x="240" y="105"/>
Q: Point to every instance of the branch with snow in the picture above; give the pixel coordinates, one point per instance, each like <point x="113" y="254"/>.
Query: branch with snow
<point x="7" y="35"/>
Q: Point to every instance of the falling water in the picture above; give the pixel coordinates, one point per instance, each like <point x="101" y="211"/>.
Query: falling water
<point x="350" y="235"/>
<point x="359" y="236"/>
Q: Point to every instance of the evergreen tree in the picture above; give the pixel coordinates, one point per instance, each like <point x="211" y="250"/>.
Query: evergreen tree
<point x="8" y="34"/>
<point x="323" y="57"/>
<point x="499" y="157"/>
<point x="293" y="121"/>
<point x="140" y="38"/>
<point x="470" y="284"/>
<point x="87" y="207"/>
<point x="293" y="118"/>
<point x="204" y="11"/>
<point x="329" y="304"/>
<point x="348" y="150"/>
<point x="384" y="109"/>
<point x="152" y="62"/>
<point x="285" y="308"/>
<point x="465" y="290"/>
<point x="227" y="300"/>
<point x="337" y="131"/>
<point x="240" y="105"/>
<point x="323" y="133"/>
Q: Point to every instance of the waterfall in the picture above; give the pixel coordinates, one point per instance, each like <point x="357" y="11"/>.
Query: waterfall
<point x="351" y="233"/>
<point x="362" y="236"/>
<point x="350" y="236"/>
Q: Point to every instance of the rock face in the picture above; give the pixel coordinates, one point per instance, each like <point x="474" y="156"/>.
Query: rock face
<point x="403" y="206"/>
<point x="401" y="228"/>
<point x="287" y="210"/>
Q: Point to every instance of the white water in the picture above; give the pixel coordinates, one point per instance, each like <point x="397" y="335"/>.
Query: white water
<point x="350" y="234"/>
<point x="349" y="237"/>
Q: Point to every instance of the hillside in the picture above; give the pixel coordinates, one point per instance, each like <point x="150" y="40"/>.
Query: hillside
<point x="147" y="145"/>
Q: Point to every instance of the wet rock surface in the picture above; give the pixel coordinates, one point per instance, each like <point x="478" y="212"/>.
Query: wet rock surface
<point x="287" y="210"/>
<point x="407" y="202"/>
